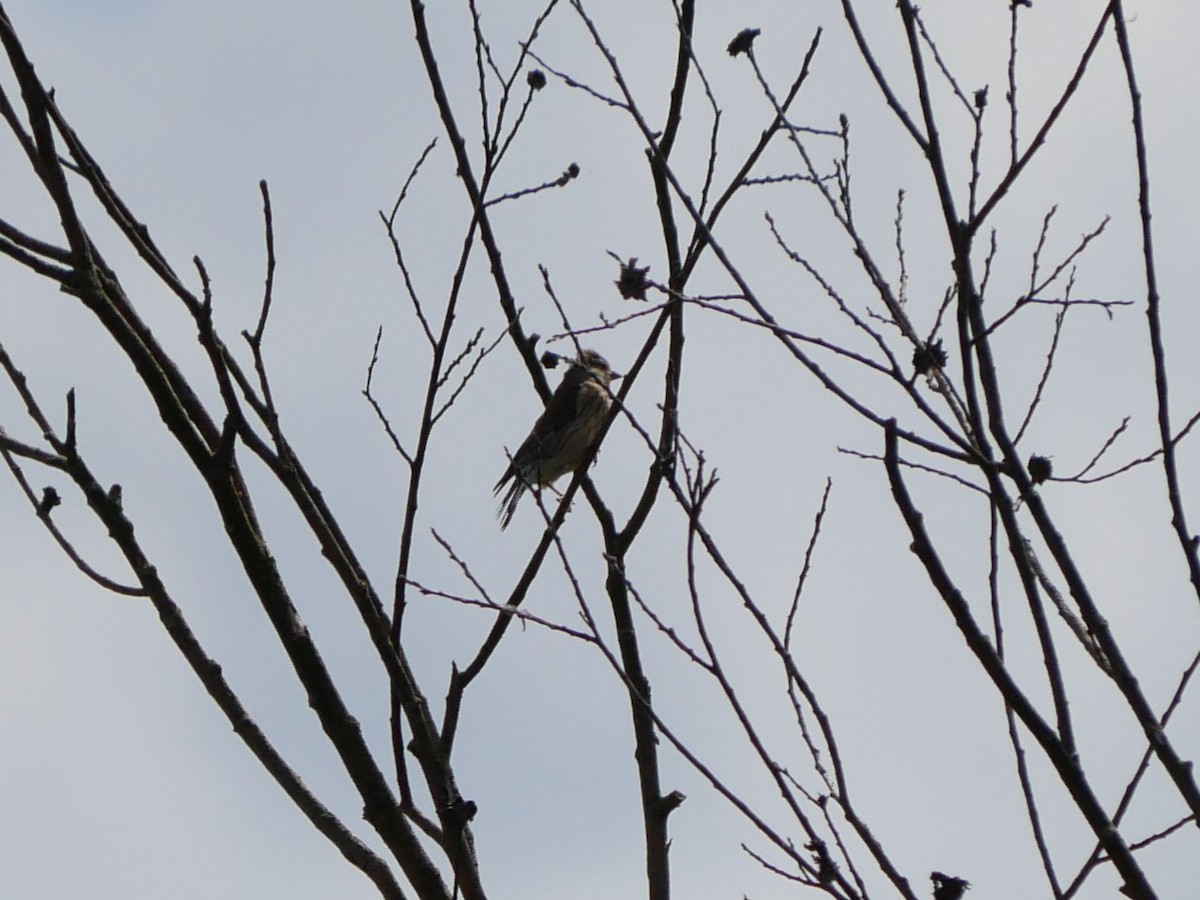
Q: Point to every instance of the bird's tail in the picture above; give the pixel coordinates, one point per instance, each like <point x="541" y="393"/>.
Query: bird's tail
<point x="508" y="503"/>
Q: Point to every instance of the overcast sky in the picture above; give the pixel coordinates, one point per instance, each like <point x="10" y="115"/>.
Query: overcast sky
<point x="119" y="778"/>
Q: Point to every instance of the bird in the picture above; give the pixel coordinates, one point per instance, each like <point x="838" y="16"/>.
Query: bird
<point x="564" y="433"/>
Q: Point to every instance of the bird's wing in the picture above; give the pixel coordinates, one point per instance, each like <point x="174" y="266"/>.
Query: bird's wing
<point x="564" y="405"/>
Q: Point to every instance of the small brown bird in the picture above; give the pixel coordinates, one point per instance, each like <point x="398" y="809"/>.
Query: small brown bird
<point x="564" y="433"/>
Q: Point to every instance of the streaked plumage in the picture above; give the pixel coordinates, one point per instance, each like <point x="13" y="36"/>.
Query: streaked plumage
<point x="563" y="434"/>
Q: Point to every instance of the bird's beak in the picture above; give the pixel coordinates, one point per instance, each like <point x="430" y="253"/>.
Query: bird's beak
<point x="615" y="376"/>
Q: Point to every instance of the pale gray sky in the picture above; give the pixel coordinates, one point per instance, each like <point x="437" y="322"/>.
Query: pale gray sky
<point x="118" y="776"/>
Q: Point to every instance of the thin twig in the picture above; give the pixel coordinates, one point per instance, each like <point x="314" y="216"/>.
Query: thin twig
<point x="384" y="420"/>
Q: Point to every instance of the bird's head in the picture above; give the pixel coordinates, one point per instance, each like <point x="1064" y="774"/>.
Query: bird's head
<point x="596" y="366"/>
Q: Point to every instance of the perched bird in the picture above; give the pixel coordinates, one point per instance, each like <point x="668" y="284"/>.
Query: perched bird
<point x="564" y="433"/>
